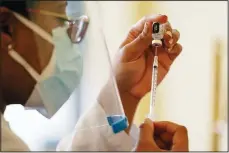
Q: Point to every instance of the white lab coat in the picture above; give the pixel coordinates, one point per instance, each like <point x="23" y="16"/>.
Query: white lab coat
<point x="90" y="139"/>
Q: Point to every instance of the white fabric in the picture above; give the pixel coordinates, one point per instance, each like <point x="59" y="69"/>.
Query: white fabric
<point x="9" y="140"/>
<point x="89" y="139"/>
<point x="92" y="133"/>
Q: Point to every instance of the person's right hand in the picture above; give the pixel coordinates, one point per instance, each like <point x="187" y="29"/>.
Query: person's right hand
<point x="162" y="136"/>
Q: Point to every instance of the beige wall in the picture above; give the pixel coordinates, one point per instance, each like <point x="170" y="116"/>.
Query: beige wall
<point x="186" y="94"/>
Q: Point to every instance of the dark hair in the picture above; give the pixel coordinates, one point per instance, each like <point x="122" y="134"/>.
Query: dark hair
<point x="16" y="6"/>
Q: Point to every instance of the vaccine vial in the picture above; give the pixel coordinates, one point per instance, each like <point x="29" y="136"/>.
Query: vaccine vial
<point x="157" y="33"/>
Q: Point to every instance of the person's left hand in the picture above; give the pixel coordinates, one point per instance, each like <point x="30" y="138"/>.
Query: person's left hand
<point x="162" y="136"/>
<point x="133" y="67"/>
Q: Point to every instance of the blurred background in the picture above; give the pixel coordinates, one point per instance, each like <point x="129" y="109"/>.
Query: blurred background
<point x="194" y="93"/>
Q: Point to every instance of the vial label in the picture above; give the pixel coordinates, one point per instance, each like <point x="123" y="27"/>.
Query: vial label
<point x="156" y="27"/>
<point x="158" y="31"/>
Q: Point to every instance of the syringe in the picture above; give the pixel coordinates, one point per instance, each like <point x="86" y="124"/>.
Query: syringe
<point x="157" y="35"/>
<point x="154" y="85"/>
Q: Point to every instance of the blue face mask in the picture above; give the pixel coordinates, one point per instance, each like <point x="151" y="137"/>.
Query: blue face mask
<point x="60" y="77"/>
<point x="57" y="88"/>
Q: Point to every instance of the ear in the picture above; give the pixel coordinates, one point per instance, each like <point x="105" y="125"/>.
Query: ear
<point x="6" y="40"/>
<point x="7" y="20"/>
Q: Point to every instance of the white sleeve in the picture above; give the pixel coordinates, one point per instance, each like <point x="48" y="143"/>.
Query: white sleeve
<point x="92" y="133"/>
<point x="9" y="140"/>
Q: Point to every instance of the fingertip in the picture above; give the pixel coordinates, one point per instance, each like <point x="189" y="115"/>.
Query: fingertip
<point x="176" y="32"/>
<point x="168" y="41"/>
<point x="158" y="18"/>
<point x="178" y="48"/>
<point x="141" y="126"/>
<point x="174" y="51"/>
<point x="164" y="18"/>
<point x="169" y="33"/>
<point x="149" y="122"/>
